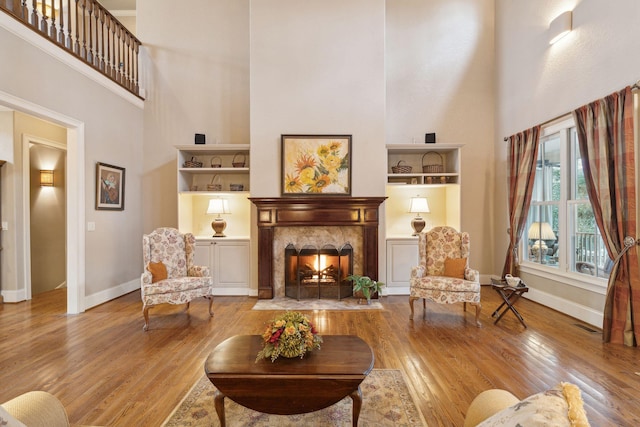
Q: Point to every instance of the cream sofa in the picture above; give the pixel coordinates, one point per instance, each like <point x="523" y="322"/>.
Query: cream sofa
<point x="34" y="409"/>
<point x="559" y="406"/>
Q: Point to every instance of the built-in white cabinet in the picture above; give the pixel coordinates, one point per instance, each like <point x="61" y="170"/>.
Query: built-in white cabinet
<point x="228" y="259"/>
<point x="432" y="171"/>
<point x="213" y="168"/>
<point x="423" y="164"/>
<point x="402" y="255"/>
<point x="425" y="170"/>
<point x="206" y="172"/>
<point x="210" y="171"/>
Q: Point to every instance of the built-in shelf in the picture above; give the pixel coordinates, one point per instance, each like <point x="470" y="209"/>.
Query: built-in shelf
<point x="223" y="168"/>
<point x="423" y="164"/>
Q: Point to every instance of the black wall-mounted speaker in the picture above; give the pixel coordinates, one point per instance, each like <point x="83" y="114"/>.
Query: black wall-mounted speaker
<point x="200" y="138"/>
<point x="429" y="138"/>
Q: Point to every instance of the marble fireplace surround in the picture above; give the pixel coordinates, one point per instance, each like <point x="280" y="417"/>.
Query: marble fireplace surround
<point x="298" y="219"/>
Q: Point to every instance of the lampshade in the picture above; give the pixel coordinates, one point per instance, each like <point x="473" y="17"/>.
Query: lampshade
<point x="46" y="178"/>
<point x="418" y="205"/>
<point x="560" y="27"/>
<point x="218" y="206"/>
<point x="541" y="231"/>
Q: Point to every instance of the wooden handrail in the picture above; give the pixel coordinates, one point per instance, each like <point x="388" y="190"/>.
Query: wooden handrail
<point x="86" y="30"/>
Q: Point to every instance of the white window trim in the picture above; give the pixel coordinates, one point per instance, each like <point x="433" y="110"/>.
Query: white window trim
<point x="562" y="273"/>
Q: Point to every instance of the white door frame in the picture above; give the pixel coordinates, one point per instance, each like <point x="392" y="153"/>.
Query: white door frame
<point x="27" y="140"/>
<point x="75" y="191"/>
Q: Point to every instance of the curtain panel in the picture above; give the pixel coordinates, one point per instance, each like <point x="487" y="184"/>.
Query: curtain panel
<point x="521" y="166"/>
<point x="606" y="140"/>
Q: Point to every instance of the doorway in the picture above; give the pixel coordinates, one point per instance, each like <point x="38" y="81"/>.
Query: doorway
<point x="75" y="201"/>
<point x="47" y="212"/>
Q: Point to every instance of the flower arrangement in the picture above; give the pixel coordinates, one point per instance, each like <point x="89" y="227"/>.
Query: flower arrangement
<point x="290" y="335"/>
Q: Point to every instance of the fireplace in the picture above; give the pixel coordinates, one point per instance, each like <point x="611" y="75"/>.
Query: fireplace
<point x="318" y="273"/>
<point x="281" y="219"/>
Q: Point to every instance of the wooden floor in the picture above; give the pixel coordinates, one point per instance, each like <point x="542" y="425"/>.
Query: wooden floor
<point x="107" y="371"/>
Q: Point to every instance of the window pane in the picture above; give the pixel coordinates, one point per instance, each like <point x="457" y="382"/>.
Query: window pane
<point x="590" y="255"/>
<point x="540" y="236"/>
<point x="579" y="187"/>
<point x="547" y="184"/>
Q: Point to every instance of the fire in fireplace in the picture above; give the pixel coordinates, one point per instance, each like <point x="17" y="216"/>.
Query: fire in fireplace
<point x="318" y="273"/>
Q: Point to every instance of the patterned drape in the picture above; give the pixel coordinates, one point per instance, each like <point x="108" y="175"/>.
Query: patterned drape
<point x="521" y="164"/>
<point x="606" y="140"/>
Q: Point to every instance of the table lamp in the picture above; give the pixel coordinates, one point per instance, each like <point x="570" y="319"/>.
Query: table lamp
<point x="418" y="206"/>
<point x="539" y="232"/>
<point x="218" y="206"/>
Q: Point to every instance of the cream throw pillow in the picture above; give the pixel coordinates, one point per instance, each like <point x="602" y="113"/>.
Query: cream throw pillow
<point x="560" y="406"/>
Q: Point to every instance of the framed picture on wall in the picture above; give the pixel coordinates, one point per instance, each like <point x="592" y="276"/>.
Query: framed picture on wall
<point x="316" y="165"/>
<point x="109" y="187"/>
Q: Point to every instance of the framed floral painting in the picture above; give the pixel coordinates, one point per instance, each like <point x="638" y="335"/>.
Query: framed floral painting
<point x="316" y="165"/>
<point x="109" y="187"/>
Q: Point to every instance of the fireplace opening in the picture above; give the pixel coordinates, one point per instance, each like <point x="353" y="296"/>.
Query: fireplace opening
<point x="318" y="273"/>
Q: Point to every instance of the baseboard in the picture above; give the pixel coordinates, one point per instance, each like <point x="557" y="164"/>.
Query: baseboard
<point x="570" y="308"/>
<point x="232" y="292"/>
<point x="14" y="296"/>
<point x="111" y="293"/>
<point x="396" y="290"/>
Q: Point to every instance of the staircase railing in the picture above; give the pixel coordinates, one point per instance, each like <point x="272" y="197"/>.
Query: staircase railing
<point x="86" y="30"/>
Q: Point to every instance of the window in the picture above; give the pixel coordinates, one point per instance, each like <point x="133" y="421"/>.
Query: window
<point x="561" y="232"/>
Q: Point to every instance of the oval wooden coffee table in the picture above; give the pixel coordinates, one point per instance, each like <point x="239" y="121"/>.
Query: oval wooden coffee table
<point x="289" y="386"/>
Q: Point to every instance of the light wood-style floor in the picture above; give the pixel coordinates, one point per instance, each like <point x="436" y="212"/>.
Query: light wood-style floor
<point x="108" y="372"/>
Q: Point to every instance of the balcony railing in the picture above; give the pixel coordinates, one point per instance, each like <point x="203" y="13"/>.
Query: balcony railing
<point x="86" y="30"/>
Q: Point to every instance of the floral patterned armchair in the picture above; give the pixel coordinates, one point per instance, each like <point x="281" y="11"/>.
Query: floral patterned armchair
<point x="444" y="253"/>
<point x="169" y="274"/>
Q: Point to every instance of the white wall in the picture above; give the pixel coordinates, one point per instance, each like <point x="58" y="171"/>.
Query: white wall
<point x="440" y="78"/>
<point x="112" y="133"/>
<point x="537" y="82"/>
<point x="317" y="67"/>
<point x="197" y="81"/>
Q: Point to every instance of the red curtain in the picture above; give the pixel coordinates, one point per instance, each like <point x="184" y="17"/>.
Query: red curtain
<point x="521" y="164"/>
<point x="606" y="140"/>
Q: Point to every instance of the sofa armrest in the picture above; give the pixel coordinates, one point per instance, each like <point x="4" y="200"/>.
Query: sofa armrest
<point x="487" y="404"/>
<point x="417" y="272"/>
<point x="471" y="275"/>
<point x="198" y="271"/>
<point x="146" y="278"/>
<point x="38" y="409"/>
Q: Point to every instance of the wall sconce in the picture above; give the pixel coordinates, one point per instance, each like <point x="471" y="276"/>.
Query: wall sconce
<point x="46" y="178"/>
<point x="418" y="206"/>
<point x="560" y="27"/>
<point x="218" y="206"/>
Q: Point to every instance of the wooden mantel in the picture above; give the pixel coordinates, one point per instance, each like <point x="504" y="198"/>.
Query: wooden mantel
<point x="315" y="211"/>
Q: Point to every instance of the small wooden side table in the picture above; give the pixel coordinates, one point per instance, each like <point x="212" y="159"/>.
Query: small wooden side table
<point x="509" y="295"/>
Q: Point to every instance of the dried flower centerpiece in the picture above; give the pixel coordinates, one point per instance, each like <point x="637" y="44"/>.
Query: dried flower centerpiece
<point x="289" y="335"/>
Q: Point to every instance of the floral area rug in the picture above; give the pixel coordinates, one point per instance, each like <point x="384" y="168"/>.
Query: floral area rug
<point x="316" y="304"/>
<point x="386" y="401"/>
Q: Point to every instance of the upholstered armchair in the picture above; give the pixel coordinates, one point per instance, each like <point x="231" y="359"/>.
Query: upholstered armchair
<point x="443" y="275"/>
<point x="169" y="274"/>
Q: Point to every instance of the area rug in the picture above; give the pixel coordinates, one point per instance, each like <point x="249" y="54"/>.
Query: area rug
<point x="315" y="304"/>
<point x="386" y="401"/>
